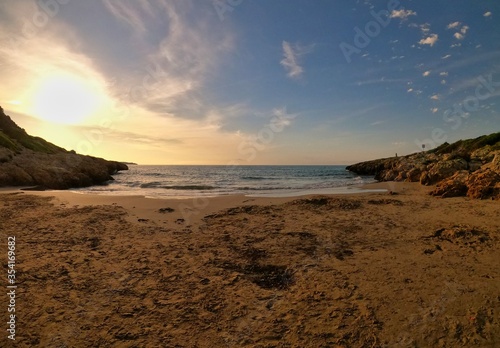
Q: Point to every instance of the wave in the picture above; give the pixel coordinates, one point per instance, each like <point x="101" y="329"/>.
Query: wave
<point x="188" y="187"/>
<point x="152" y="184"/>
<point x="260" y="188"/>
<point x="257" y="178"/>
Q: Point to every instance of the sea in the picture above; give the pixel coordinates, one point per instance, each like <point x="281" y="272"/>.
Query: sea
<point x="186" y="181"/>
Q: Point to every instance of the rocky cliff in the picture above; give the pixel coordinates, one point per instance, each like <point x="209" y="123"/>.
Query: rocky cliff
<point x="31" y="161"/>
<point x="465" y="168"/>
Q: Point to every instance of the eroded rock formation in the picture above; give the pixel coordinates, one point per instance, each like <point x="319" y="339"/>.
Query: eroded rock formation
<point x="465" y="168"/>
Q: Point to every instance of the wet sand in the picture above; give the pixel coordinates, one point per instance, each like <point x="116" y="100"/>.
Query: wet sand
<point x="364" y="270"/>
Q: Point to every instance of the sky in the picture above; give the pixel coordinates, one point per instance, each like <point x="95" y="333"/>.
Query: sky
<point x="243" y="82"/>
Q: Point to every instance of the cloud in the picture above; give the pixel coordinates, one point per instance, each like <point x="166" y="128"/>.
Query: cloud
<point x="425" y="28"/>
<point x="402" y="14"/>
<point x="434" y="110"/>
<point x="443" y="73"/>
<point x="435" y="97"/>
<point x="169" y="76"/>
<point x="487" y="14"/>
<point x="282" y="118"/>
<point x="460" y="34"/>
<point x="399" y="143"/>
<point x="426" y="73"/>
<point x="453" y="25"/>
<point x="446" y="57"/>
<point x="430" y="40"/>
<point x="291" y="58"/>
<point x="376" y="123"/>
<point x="416" y="91"/>
<point x="128" y="14"/>
<point x="153" y="95"/>
<point x="380" y="80"/>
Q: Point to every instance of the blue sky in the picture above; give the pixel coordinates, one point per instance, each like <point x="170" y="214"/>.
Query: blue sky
<point x="251" y="82"/>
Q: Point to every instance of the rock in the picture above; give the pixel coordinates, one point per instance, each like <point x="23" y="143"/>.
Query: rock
<point x="495" y="163"/>
<point x="414" y="174"/>
<point x="452" y="187"/>
<point x="373" y="167"/>
<point x="467" y="167"/>
<point x="442" y="170"/>
<point x="484" y="184"/>
<point x="32" y="161"/>
<point x="483" y="154"/>
<point x="474" y="165"/>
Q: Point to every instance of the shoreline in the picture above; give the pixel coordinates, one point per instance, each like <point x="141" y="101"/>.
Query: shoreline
<point x="192" y="209"/>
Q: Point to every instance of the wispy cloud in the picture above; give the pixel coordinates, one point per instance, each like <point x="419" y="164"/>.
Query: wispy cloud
<point x="453" y="25"/>
<point x="380" y="80"/>
<point x="425" y="28"/>
<point x="128" y="14"/>
<point x="167" y="80"/>
<point x="430" y="40"/>
<point x="282" y="118"/>
<point x="446" y="56"/>
<point x="376" y="123"/>
<point x="291" y="59"/>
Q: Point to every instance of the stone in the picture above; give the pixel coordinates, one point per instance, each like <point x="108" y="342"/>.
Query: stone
<point x="483" y="184"/>
<point x="453" y="186"/>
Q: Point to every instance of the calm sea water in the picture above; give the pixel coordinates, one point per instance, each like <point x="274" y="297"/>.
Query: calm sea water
<point x="191" y="181"/>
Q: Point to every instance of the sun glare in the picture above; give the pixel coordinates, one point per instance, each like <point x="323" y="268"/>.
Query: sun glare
<point x="65" y="99"/>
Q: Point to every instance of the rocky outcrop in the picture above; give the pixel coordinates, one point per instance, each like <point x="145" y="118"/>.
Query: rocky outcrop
<point x="453" y="186"/>
<point x="27" y="161"/>
<point x="465" y="168"/>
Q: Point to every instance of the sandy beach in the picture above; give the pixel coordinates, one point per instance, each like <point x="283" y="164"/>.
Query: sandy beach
<point x="363" y="270"/>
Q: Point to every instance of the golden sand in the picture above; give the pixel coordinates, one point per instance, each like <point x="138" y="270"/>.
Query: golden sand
<point x="365" y="270"/>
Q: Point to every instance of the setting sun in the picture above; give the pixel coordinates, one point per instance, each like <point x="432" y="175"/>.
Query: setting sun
<point x="65" y="99"/>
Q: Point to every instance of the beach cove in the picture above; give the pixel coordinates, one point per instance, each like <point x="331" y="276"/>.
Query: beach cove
<point x="379" y="269"/>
